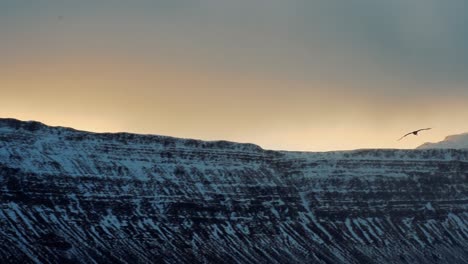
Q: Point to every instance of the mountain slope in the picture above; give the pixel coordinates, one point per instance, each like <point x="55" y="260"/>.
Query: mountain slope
<point x="73" y="196"/>
<point x="450" y="142"/>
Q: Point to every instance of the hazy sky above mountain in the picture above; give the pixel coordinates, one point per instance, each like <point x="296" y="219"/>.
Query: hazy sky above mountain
<point x="296" y="75"/>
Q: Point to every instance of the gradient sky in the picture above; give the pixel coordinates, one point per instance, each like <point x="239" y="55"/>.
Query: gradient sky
<point x="296" y="75"/>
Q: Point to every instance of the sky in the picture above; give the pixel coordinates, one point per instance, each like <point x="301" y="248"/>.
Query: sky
<point x="311" y="75"/>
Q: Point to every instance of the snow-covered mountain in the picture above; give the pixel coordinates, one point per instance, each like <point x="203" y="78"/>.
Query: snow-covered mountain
<point x="72" y="196"/>
<point x="450" y="142"/>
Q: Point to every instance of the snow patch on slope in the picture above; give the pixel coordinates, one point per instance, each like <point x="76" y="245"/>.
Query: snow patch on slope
<point x="450" y="142"/>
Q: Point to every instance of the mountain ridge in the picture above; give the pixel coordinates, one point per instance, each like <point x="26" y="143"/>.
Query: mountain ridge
<point x="72" y="196"/>
<point x="33" y="125"/>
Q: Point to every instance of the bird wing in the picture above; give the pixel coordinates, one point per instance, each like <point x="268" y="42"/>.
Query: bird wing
<point x="405" y="136"/>
<point x="413" y="132"/>
<point x="423" y="129"/>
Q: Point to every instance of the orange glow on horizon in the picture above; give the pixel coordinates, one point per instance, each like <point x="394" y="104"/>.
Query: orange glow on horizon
<point x="109" y="93"/>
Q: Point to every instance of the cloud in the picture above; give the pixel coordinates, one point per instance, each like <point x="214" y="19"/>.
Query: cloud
<point x="421" y="44"/>
<point x="418" y="41"/>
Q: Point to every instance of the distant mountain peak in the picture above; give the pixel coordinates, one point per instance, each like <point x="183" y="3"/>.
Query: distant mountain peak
<point x="450" y="142"/>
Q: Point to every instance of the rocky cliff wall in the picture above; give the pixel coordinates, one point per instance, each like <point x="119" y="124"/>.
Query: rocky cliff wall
<point x="69" y="196"/>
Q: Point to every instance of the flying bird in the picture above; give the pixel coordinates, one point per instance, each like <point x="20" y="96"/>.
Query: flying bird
<point x="414" y="133"/>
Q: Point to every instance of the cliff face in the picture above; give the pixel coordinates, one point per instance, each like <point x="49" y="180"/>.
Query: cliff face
<point x="72" y="196"/>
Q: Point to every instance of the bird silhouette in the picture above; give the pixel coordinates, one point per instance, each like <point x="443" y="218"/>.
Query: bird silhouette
<point x="414" y="133"/>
